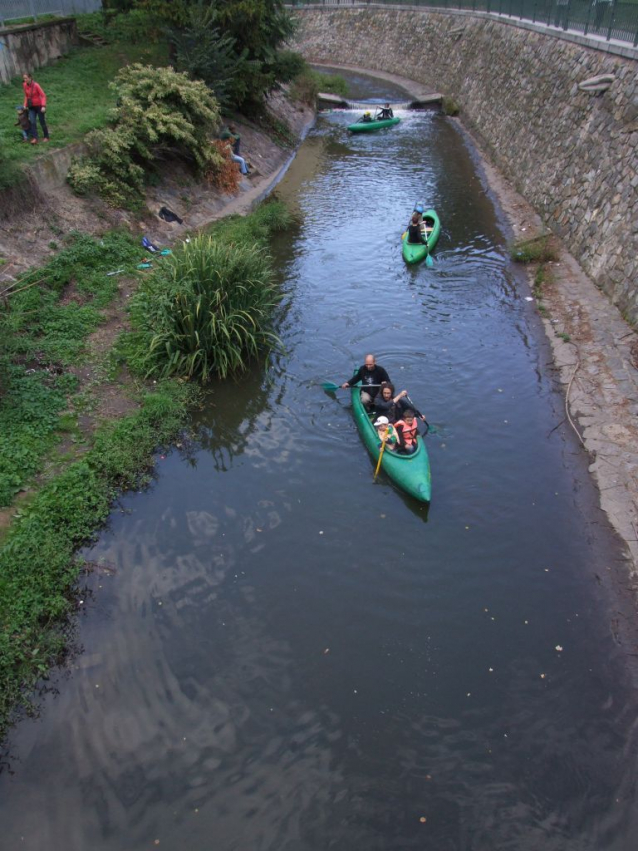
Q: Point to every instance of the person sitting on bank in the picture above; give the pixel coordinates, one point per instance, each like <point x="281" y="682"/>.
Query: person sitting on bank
<point x="408" y="432"/>
<point x="370" y="376"/>
<point x="230" y="132"/>
<point x="385" y="112"/>
<point x="415" y="235"/>
<point x="387" y="404"/>
<point x="387" y="434"/>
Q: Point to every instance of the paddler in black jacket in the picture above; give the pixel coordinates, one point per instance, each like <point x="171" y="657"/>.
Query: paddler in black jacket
<point x="370" y="375"/>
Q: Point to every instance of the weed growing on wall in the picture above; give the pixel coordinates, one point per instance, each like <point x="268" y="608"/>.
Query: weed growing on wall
<point x="161" y="115"/>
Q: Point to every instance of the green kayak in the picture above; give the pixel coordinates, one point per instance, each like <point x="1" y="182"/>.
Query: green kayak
<point x="431" y="228"/>
<point x="362" y="126"/>
<point x="410" y="472"/>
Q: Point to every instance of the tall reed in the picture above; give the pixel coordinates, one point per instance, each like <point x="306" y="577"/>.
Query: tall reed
<point x="206" y="311"/>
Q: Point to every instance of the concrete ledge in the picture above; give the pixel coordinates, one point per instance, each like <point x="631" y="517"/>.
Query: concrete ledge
<point x="28" y="46"/>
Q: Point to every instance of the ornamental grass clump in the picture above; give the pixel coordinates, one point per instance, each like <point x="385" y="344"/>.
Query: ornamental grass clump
<point x="161" y="115"/>
<point x="206" y="312"/>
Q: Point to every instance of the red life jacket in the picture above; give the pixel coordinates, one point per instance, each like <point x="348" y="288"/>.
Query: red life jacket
<point x="409" y="433"/>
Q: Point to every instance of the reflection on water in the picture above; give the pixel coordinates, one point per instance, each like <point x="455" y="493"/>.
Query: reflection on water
<point x="284" y="655"/>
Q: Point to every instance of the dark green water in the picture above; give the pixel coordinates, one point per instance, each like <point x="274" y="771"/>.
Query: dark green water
<point x="284" y="656"/>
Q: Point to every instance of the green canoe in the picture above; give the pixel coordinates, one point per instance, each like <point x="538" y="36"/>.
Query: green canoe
<point x="414" y="252"/>
<point x="362" y="126"/>
<point x="410" y="472"/>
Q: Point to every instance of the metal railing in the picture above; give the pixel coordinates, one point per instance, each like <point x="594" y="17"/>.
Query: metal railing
<point x="21" y="10"/>
<point x="607" y="19"/>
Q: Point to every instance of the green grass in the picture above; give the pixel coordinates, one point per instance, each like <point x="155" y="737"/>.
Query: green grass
<point x="208" y="310"/>
<point x="37" y="565"/>
<point x="536" y="250"/>
<point x="43" y="333"/>
<point x="78" y="100"/>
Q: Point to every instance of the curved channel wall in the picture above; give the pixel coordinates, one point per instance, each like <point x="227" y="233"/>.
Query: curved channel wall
<point x="572" y="154"/>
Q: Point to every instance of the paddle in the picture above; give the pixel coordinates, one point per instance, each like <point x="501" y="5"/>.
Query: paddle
<point x="383" y="443"/>
<point x="419" y="414"/>
<point x="328" y="385"/>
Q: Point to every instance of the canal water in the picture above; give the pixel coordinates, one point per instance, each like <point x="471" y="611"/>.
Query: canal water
<point x="277" y="653"/>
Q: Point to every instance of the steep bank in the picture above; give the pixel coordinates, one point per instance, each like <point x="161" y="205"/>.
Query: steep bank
<point x="105" y="438"/>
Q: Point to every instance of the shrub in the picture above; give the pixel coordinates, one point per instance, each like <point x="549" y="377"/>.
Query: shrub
<point x="535" y="250"/>
<point x="450" y="106"/>
<point x="308" y="83"/>
<point x="207" y="311"/>
<point x="205" y="53"/>
<point x="226" y="176"/>
<point x="160" y="114"/>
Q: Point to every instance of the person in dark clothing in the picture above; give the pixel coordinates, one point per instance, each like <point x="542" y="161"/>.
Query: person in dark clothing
<point x="23" y="123"/>
<point x="233" y="136"/>
<point x="415" y="236"/>
<point x="370" y="375"/>
<point x="387" y="404"/>
<point x="385" y="112"/>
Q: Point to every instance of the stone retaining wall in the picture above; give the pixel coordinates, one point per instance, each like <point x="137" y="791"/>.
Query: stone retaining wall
<point x="572" y="155"/>
<point x="26" y="47"/>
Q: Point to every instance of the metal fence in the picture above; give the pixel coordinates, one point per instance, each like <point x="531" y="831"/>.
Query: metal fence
<point x="608" y="19"/>
<point x="19" y="10"/>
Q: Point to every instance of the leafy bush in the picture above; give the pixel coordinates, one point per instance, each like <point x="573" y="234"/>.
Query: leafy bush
<point x="450" y="106"/>
<point x="308" y="83"/>
<point x="207" y="310"/>
<point x="135" y="26"/>
<point x="535" y="250"/>
<point x="205" y="53"/>
<point x="227" y="176"/>
<point x="161" y="114"/>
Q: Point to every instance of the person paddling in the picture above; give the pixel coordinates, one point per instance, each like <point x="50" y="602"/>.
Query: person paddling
<point x="370" y="376"/>
<point x="415" y="233"/>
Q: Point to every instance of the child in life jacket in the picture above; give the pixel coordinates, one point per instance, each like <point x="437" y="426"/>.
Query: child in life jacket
<point x="387" y="434"/>
<point x="407" y="432"/>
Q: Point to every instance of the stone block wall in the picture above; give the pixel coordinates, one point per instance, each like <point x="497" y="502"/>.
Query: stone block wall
<point x="571" y="154"/>
<point x="27" y="47"/>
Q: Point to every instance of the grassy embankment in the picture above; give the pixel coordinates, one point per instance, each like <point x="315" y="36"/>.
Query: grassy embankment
<point x="71" y="474"/>
<point x="62" y="457"/>
<point x="78" y="100"/>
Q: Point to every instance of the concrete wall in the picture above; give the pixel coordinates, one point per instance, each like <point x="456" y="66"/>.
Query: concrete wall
<point x="26" y="47"/>
<point x="573" y="155"/>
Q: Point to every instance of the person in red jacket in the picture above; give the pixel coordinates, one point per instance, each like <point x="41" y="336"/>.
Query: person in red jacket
<point x="36" y="102"/>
